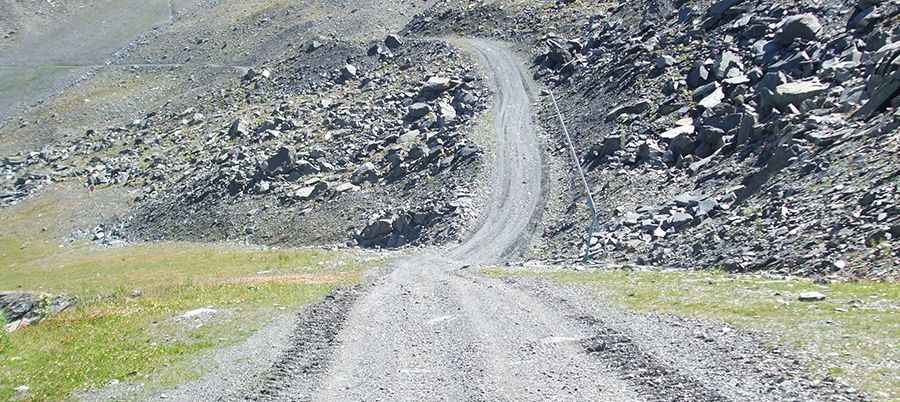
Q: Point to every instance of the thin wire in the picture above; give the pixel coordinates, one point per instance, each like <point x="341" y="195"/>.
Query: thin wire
<point x="587" y="188"/>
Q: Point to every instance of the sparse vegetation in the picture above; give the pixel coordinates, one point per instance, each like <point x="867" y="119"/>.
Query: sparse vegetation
<point x="125" y="326"/>
<point x="852" y="335"/>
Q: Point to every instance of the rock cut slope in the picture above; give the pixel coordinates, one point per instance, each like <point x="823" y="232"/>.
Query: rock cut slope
<point x="736" y="134"/>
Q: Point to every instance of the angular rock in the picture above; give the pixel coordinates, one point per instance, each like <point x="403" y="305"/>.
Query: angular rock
<point x="714" y="99"/>
<point x="726" y="62"/>
<point x="282" y="162"/>
<point x="803" y="26"/>
<point x="417" y="111"/>
<point x="638" y="107"/>
<point x="365" y="173"/>
<point x="348" y="72"/>
<point x="312" y="191"/>
<point x="794" y="93"/>
<point x="435" y="86"/>
<point x="811" y="297"/>
<point x="446" y="113"/>
<point x="238" y="128"/>
<point x="393" y="42"/>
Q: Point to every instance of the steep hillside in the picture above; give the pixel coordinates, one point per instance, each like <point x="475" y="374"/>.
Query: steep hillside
<point x="742" y="135"/>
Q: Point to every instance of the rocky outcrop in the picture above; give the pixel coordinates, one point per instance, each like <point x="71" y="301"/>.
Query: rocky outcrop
<point x="22" y="309"/>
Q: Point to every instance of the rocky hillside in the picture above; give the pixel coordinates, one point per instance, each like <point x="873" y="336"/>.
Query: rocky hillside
<point x="323" y="139"/>
<point x="737" y="134"/>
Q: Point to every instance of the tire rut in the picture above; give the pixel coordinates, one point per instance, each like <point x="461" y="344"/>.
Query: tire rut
<point x="296" y="374"/>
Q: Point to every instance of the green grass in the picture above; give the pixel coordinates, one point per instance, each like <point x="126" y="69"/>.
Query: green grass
<point x="124" y="328"/>
<point x="853" y="335"/>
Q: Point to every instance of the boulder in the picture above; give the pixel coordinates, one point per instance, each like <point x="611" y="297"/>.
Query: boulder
<point x="282" y="162"/>
<point x="17" y="305"/>
<point x="21" y="309"/>
<point x="794" y="93"/>
<point x="393" y="42"/>
<point x="435" y="86"/>
<point x="712" y="100"/>
<point x="348" y="72"/>
<point x="803" y="26"/>
<point x="364" y="173"/>
<point x="417" y="111"/>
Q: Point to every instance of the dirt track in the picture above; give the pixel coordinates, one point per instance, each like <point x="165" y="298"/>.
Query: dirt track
<point x="437" y="329"/>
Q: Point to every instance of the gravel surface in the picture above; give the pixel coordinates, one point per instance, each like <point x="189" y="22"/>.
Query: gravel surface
<point x="436" y="329"/>
<point x="673" y="358"/>
<point x="428" y="332"/>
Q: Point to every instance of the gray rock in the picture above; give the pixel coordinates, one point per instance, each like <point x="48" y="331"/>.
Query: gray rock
<point x="638" y="107"/>
<point x="679" y="220"/>
<point x="393" y="42"/>
<point x="349" y="72"/>
<point x="811" y="297"/>
<point x="705" y="207"/>
<point x="409" y="137"/>
<point x="262" y="187"/>
<point x="713" y="99"/>
<point x="435" y="86"/>
<point x="238" y="128"/>
<point x="884" y="81"/>
<point x="364" y="173"/>
<point x="416" y="111"/>
<point x="282" y="162"/>
<point x="704" y="91"/>
<point x="803" y="26"/>
<point x="22" y="309"/>
<point x="446" y="113"/>
<point x="699" y="75"/>
<point x="726" y="63"/>
<point x="197" y="118"/>
<point x="18" y="305"/>
<point x="311" y="191"/>
<point x="794" y="93"/>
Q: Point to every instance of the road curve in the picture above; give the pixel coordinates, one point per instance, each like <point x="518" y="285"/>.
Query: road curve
<point x="432" y="331"/>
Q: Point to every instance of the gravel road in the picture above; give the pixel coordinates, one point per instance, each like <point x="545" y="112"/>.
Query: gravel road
<point x="436" y="329"/>
<point x="428" y="331"/>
